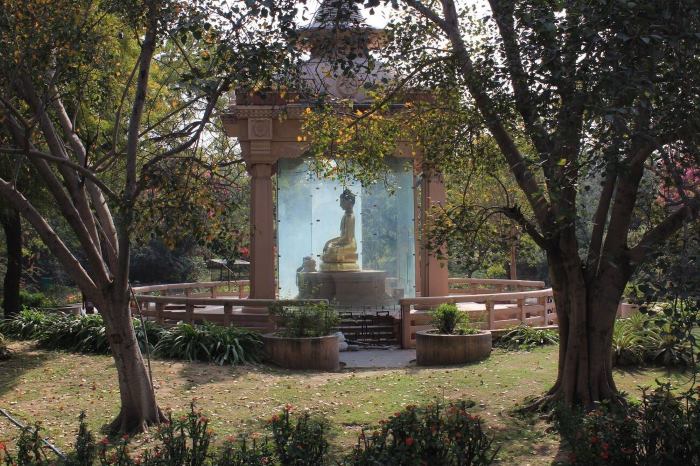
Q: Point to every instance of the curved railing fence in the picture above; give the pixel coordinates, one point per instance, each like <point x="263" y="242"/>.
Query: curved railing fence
<point x="224" y="303"/>
<point x="486" y="310"/>
<point x="490" y="303"/>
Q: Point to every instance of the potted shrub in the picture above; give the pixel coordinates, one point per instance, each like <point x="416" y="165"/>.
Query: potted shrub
<point x="453" y="341"/>
<point x="305" y="338"/>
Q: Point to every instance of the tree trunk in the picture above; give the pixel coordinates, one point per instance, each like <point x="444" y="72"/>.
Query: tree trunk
<point x="138" y="400"/>
<point x="586" y="313"/>
<point x="12" y="226"/>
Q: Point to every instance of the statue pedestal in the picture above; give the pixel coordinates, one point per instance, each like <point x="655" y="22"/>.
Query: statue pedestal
<point x="351" y="288"/>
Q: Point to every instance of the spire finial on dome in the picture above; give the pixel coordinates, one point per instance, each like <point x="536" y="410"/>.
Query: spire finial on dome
<point x="337" y="14"/>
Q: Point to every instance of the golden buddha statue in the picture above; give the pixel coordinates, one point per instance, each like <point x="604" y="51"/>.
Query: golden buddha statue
<point x="340" y="254"/>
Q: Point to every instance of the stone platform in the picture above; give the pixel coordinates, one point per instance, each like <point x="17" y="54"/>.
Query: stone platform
<point x="351" y="288"/>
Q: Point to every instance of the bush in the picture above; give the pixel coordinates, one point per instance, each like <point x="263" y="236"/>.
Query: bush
<point x="35" y="299"/>
<point x="210" y="343"/>
<point x="434" y="434"/>
<point x="524" y="337"/>
<point x="449" y="320"/>
<point x="309" y="320"/>
<point x="27" y="324"/>
<point x="67" y="332"/>
<point x="87" y="334"/>
<point x="634" y="340"/>
<point x="662" y="430"/>
<point x="300" y="441"/>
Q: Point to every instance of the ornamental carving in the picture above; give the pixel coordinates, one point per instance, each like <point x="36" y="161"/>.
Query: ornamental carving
<point x="260" y="128"/>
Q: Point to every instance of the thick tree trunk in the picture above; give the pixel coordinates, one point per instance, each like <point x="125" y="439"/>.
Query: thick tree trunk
<point x="12" y="226"/>
<point x="586" y="313"/>
<point x="138" y="400"/>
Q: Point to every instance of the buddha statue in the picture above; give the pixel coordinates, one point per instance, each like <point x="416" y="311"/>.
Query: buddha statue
<point x="340" y="253"/>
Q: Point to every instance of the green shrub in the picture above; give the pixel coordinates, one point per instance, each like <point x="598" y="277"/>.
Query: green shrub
<point x="68" y="332"/>
<point x="524" y="337"/>
<point x="300" y="441"/>
<point x="449" y="320"/>
<point x="35" y="299"/>
<point x="210" y="343"/>
<point x="431" y="435"/>
<point x="633" y="340"/>
<point x="246" y="452"/>
<point x="27" y="324"/>
<point x="434" y="434"/>
<point x="309" y="320"/>
<point x="662" y="430"/>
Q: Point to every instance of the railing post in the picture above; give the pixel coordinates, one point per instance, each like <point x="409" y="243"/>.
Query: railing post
<point x="160" y="307"/>
<point x="491" y="314"/>
<point x="405" y="325"/>
<point x="212" y="292"/>
<point x="188" y="291"/>
<point x="189" y="313"/>
<point x="521" y="306"/>
<point x="542" y="301"/>
<point x="228" y="307"/>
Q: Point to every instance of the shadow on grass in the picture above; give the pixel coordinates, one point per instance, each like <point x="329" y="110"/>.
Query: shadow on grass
<point x="24" y="358"/>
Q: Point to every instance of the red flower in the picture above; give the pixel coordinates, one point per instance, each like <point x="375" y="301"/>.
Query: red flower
<point x="605" y="455"/>
<point x="594" y="440"/>
<point x="104" y="441"/>
<point x="605" y="446"/>
<point x="409" y="441"/>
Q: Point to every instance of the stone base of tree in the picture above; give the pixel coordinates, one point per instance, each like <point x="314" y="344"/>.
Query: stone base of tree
<point x="433" y="349"/>
<point x="309" y="353"/>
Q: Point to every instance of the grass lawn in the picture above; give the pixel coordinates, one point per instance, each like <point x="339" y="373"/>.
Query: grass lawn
<point x="54" y="387"/>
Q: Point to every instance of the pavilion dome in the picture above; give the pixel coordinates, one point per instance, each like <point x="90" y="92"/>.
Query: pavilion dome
<point x="339" y="42"/>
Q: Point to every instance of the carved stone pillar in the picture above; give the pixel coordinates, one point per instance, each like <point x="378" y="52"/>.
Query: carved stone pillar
<point x="262" y="232"/>
<point x="433" y="273"/>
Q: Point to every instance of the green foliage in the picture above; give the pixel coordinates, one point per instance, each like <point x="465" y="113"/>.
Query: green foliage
<point x="434" y="434"/>
<point x="524" y="337"/>
<point x="35" y="299"/>
<point x="300" y="441"/>
<point x="155" y="262"/>
<point x="662" y="430"/>
<point x="307" y="320"/>
<point x="210" y="343"/>
<point x="663" y="336"/>
<point x="632" y="340"/>
<point x="674" y="326"/>
<point x="87" y="334"/>
<point x="27" y="324"/>
<point x="245" y="451"/>
<point x="73" y="333"/>
<point x="449" y="320"/>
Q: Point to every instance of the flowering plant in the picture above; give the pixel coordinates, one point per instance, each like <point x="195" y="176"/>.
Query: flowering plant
<point x="433" y="434"/>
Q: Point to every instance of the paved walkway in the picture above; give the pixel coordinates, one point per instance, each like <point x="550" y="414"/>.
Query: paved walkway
<point x="378" y="358"/>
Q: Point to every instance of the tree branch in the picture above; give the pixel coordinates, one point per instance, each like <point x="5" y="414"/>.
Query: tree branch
<point x="49" y="237"/>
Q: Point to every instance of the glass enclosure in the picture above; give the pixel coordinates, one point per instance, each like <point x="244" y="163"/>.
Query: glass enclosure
<point x="309" y="214"/>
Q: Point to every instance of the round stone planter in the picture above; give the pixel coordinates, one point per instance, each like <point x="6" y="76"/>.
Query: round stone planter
<point x="433" y="349"/>
<point x="312" y="353"/>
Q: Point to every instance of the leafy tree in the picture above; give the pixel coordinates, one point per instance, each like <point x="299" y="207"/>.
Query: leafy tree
<point x="577" y="94"/>
<point x="591" y="106"/>
<point x="102" y="97"/>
